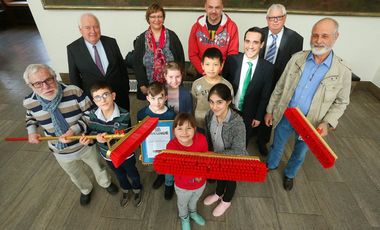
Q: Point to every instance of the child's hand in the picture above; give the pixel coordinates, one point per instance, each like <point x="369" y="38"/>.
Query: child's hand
<point x="84" y="140"/>
<point x="100" y="137"/>
<point x="198" y="179"/>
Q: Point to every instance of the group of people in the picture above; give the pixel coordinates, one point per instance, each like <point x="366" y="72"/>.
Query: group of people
<point x="237" y="94"/>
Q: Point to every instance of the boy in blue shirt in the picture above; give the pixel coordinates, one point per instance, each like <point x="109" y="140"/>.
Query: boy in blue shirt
<point x="106" y="119"/>
<point x="157" y="97"/>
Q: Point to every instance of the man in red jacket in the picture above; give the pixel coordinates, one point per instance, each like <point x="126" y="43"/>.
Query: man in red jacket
<point x="214" y="29"/>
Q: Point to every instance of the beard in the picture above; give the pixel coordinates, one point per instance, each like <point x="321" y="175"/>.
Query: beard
<point x="323" y="49"/>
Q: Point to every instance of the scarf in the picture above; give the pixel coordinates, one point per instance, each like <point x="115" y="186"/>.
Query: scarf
<point x="159" y="60"/>
<point x="59" y="123"/>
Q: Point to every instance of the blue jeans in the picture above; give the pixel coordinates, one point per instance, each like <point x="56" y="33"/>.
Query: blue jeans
<point x="125" y="170"/>
<point x="281" y="135"/>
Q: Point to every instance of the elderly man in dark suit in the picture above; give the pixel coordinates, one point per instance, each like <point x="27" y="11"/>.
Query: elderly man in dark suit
<point x="251" y="78"/>
<point x="280" y="44"/>
<point x="94" y="57"/>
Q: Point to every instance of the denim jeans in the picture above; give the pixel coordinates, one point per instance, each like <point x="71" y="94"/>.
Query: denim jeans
<point x="281" y="135"/>
<point x="125" y="170"/>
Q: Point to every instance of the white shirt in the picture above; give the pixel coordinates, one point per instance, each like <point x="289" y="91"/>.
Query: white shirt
<point x="270" y="40"/>
<point x="101" y="51"/>
<point x="100" y="116"/>
<point x="243" y="72"/>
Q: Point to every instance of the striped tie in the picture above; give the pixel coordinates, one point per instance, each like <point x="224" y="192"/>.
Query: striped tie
<point x="272" y="49"/>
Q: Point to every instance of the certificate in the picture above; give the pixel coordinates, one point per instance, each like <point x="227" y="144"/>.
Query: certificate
<point x="156" y="141"/>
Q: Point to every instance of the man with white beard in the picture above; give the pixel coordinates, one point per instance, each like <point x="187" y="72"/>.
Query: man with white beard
<point x="318" y="83"/>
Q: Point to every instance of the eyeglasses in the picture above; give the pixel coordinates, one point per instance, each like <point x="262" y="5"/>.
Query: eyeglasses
<point x="47" y="81"/>
<point x="104" y="96"/>
<point x="156" y="17"/>
<point x="276" y="18"/>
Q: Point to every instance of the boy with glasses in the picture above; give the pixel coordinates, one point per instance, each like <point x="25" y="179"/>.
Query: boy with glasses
<point x="107" y="119"/>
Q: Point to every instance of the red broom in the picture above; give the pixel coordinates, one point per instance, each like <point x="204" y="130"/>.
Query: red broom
<point x="210" y="165"/>
<point x="122" y="149"/>
<point x="310" y="135"/>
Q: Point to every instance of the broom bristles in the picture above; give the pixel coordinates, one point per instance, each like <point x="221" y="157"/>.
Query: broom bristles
<point x="310" y="135"/>
<point x="210" y="165"/>
<point x="126" y="145"/>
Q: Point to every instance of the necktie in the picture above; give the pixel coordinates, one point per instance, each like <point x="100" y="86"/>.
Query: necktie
<point x="272" y="49"/>
<point x="245" y="85"/>
<point x="97" y="61"/>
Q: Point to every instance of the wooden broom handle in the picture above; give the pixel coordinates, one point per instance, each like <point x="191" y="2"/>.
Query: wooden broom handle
<point x="51" y="138"/>
<point x="211" y="154"/>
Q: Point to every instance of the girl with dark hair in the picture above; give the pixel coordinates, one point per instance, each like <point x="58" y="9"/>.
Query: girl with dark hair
<point x="225" y="132"/>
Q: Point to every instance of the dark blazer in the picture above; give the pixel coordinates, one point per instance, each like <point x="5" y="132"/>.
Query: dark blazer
<point x="259" y="89"/>
<point x="83" y="71"/>
<point x="291" y="43"/>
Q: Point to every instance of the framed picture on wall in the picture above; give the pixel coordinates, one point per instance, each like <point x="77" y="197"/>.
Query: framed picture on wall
<point x="316" y="7"/>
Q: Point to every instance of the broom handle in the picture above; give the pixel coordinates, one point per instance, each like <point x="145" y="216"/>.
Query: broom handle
<point x="50" y="138"/>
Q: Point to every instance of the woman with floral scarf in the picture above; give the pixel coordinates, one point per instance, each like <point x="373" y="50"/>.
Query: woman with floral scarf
<point x="153" y="49"/>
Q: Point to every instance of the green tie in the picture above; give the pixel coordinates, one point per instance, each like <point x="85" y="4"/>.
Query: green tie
<point x="245" y="85"/>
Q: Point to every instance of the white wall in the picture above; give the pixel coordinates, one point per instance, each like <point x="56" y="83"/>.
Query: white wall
<point x="358" y="42"/>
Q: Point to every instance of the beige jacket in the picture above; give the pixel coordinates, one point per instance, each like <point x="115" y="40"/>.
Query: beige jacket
<point x="330" y="99"/>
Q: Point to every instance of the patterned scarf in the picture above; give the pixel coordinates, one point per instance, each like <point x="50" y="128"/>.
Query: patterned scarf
<point x="159" y="61"/>
<point x="60" y="124"/>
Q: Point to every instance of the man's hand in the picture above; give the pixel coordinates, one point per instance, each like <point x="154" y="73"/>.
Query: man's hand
<point x="255" y="123"/>
<point x="33" y="138"/>
<point x="68" y="133"/>
<point x="268" y="118"/>
<point x="100" y="137"/>
<point x="323" y="129"/>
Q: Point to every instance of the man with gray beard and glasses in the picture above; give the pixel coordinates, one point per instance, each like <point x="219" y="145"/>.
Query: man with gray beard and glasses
<point x="318" y="83"/>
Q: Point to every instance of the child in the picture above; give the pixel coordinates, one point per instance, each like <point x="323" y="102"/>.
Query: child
<point x="225" y="131"/>
<point x="188" y="189"/>
<point x="106" y="119"/>
<point x="212" y="64"/>
<point x="157" y="96"/>
<point x="179" y="98"/>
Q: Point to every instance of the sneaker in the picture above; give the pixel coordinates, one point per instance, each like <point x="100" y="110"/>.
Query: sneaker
<point x="211" y="199"/>
<point x="221" y="208"/>
<point x="159" y="181"/>
<point x="85" y="199"/>
<point x="197" y="218"/>
<point x="124" y="199"/>
<point x="185" y="223"/>
<point x="137" y="200"/>
<point x="169" y="192"/>
<point x="112" y="189"/>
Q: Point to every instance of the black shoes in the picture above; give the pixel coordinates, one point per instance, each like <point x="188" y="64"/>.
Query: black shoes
<point x="137" y="200"/>
<point x="263" y="149"/>
<point x="112" y="189"/>
<point x="288" y="183"/>
<point x="169" y="192"/>
<point x="159" y="181"/>
<point x="124" y="199"/>
<point x="85" y="199"/>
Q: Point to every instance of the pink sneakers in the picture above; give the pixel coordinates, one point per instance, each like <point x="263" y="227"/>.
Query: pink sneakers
<point x="211" y="199"/>
<point x="221" y="208"/>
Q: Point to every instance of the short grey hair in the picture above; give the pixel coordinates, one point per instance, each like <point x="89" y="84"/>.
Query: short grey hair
<point x="87" y="15"/>
<point x="277" y="7"/>
<point x="34" y="68"/>
<point x="335" y="22"/>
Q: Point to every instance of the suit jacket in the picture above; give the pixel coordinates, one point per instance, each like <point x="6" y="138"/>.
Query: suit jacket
<point x="83" y="71"/>
<point x="291" y="43"/>
<point x="259" y="89"/>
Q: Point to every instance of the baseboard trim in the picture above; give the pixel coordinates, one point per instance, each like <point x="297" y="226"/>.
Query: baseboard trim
<point x="369" y="86"/>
